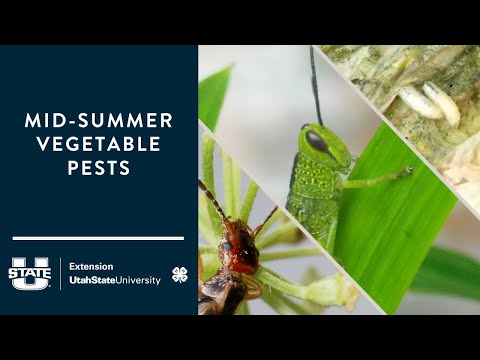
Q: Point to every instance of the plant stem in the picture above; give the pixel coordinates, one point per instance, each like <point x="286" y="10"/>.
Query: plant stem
<point x="284" y="233"/>
<point x="237" y="181"/>
<point x="207" y="249"/>
<point x="211" y="264"/>
<point x="281" y="304"/>
<point x="208" y="147"/>
<point x="248" y="201"/>
<point x="277" y="255"/>
<point x="204" y="222"/>
<point x="206" y="232"/>
<point x="244" y="309"/>
<point x="231" y="186"/>
<point x="331" y="290"/>
<point x="276" y="281"/>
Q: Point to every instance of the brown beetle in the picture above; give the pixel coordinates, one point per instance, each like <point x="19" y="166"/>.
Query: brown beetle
<point x="223" y="293"/>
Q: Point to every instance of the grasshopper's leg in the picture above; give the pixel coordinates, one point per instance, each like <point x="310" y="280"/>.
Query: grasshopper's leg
<point x="355" y="184"/>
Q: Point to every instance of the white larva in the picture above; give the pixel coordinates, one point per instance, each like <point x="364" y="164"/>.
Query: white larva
<point x="444" y="102"/>
<point x="419" y="103"/>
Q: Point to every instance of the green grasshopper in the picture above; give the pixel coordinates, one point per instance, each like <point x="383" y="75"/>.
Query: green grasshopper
<point x="316" y="183"/>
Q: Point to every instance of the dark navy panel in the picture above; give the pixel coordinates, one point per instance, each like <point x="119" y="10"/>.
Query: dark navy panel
<point x="157" y="198"/>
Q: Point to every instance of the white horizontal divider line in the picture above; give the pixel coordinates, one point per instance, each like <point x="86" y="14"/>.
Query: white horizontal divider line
<point x="97" y="238"/>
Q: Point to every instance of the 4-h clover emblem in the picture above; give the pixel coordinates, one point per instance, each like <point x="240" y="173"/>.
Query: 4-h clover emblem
<point x="179" y="274"/>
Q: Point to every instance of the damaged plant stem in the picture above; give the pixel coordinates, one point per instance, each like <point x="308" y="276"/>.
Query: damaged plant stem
<point x="328" y="291"/>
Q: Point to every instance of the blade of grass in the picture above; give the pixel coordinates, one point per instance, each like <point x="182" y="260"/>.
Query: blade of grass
<point x="385" y="232"/>
<point x="448" y="272"/>
<point x="211" y="93"/>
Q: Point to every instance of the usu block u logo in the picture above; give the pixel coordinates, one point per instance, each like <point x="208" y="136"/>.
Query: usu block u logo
<point x="19" y="273"/>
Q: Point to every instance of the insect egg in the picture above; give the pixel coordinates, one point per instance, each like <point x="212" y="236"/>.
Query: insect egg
<point x="443" y="101"/>
<point x="419" y="103"/>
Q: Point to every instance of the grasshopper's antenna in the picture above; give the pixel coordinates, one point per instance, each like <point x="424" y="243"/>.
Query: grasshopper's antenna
<point x="215" y="204"/>
<point x="315" y="86"/>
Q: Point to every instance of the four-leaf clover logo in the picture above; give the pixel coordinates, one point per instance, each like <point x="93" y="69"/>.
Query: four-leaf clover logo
<point x="179" y="274"/>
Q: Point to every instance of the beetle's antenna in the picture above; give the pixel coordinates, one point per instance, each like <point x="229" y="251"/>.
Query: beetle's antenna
<point x="260" y="227"/>
<point x="209" y="195"/>
<point x="315" y="86"/>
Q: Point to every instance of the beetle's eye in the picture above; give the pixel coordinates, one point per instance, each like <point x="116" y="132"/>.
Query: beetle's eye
<point x="227" y="245"/>
<point x="304" y="126"/>
<point x="316" y="141"/>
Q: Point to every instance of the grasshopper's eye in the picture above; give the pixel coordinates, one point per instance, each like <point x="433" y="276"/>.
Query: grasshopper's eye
<point x="304" y="126"/>
<point x="316" y="141"/>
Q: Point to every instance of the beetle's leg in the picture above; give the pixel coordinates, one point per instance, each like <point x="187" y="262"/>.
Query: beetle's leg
<point x="254" y="290"/>
<point x="354" y="158"/>
<point x="355" y="184"/>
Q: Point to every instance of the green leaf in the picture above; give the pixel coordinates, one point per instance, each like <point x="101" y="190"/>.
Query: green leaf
<point x="450" y="273"/>
<point x="385" y="232"/>
<point x="211" y="92"/>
